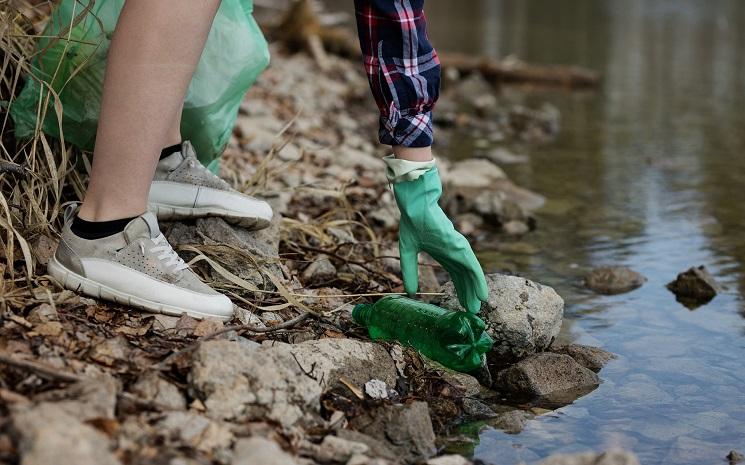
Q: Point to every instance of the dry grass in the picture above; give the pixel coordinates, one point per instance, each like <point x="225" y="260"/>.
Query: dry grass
<point x="37" y="176"/>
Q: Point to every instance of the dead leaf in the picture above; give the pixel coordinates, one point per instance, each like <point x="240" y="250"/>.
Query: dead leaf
<point x="110" y="351"/>
<point x="50" y="328"/>
<point x="207" y="327"/>
<point x="110" y="426"/>
<point x="138" y="330"/>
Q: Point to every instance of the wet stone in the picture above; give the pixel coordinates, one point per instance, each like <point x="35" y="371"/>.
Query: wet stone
<point x="611" y="280"/>
<point x="475" y="409"/>
<point x="511" y="422"/>
<point x="449" y="460"/>
<point x="694" y="287"/>
<point x="593" y="358"/>
<point x="544" y="374"/>
<point x="735" y="457"/>
<point x="523" y="317"/>
<point x="611" y="457"/>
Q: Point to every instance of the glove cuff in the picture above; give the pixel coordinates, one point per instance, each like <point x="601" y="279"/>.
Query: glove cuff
<point x="399" y="170"/>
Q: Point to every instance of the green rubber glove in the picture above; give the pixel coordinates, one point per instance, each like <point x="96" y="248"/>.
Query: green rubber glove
<point x="424" y="227"/>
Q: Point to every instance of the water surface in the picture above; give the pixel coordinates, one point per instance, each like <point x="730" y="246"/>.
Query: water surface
<point x="647" y="172"/>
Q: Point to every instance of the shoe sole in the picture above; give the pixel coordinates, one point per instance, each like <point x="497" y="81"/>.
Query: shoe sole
<point x="175" y="213"/>
<point x="73" y="281"/>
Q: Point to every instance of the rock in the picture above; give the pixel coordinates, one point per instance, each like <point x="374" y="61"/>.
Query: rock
<point x="48" y="434"/>
<point x="735" y="457"/>
<point x="468" y="223"/>
<point x="361" y="459"/>
<point x="281" y="381"/>
<point x="504" y="156"/>
<point x="262" y="245"/>
<point x="449" y="460"/>
<point x="534" y="126"/>
<point x="694" y="287"/>
<point x="387" y="216"/>
<point x="164" y="322"/>
<point x="593" y="358"/>
<point x="256" y="450"/>
<point x="611" y="457"/>
<point x="473" y="173"/>
<point x="380" y="448"/>
<point x="376" y="389"/>
<point x="465" y="383"/>
<point x="196" y="430"/>
<point x="153" y="388"/>
<point x="522" y="317"/>
<point x="43" y="313"/>
<point x="86" y="400"/>
<point x="471" y="90"/>
<point x="515" y="228"/>
<point x="511" y="422"/>
<point x="544" y="374"/>
<point x="338" y="450"/>
<point x="475" y="409"/>
<point x="319" y="273"/>
<point x="611" y="280"/>
<point x="407" y="428"/>
<point x="110" y="351"/>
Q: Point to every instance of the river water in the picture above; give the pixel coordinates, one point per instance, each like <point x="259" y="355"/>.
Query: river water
<point x="648" y="172"/>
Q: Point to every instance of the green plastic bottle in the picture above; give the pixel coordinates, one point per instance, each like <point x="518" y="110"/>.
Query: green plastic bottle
<point x="454" y="339"/>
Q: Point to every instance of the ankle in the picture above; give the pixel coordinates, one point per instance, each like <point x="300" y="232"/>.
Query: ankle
<point x="95" y="211"/>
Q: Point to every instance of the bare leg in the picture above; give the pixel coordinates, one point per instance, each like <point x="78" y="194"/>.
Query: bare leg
<point x="155" y="49"/>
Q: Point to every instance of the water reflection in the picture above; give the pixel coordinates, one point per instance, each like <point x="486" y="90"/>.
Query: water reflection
<point x="648" y="172"/>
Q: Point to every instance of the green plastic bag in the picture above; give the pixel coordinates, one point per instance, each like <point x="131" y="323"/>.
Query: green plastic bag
<point x="234" y="56"/>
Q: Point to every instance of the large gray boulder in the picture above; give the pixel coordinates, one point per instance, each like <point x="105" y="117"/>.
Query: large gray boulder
<point x="48" y="434"/>
<point x="523" y="317"/>
<point x="283" y="382"/>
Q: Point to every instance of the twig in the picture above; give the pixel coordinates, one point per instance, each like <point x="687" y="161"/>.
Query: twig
<point x="41" y="370"/>
<point x="354" y="262"/>
<point x="307" y="373"/>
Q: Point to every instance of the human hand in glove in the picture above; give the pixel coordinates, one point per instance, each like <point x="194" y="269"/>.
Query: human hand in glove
<point x="424" y="227"/>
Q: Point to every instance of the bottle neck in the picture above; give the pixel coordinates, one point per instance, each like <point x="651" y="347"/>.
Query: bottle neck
<point x="361" y="314"/>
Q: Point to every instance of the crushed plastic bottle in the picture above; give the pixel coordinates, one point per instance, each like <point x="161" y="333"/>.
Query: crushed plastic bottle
<point x="454" y="339"/>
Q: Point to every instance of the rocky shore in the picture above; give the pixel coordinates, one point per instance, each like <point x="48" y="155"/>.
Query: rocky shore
<point x="294" y="380"/>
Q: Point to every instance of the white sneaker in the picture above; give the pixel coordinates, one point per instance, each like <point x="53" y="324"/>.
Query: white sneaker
<point x="184" y="188"/>
<point x="135" y="267"/>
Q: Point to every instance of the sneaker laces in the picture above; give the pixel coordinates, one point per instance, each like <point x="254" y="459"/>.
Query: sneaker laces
<point x="167" y="255"/>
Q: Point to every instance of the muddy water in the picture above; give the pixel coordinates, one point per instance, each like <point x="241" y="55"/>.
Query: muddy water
<point x="647" y="172"/>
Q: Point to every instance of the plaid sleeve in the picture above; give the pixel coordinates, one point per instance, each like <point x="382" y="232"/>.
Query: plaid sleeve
<point x="402" y="67"/>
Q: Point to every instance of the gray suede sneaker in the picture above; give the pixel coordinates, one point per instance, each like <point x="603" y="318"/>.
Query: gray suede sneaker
<point x="183" y="188"/>
<point x="136" y="267"/>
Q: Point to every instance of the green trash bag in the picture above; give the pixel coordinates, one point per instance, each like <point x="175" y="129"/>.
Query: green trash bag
<point x="74" y="65"/>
